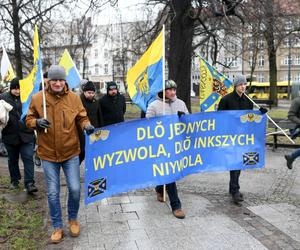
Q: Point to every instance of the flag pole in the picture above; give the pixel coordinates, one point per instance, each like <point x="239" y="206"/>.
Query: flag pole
<point x="43" y="83"/>
<point x="164" y="93"/>
<point x="256" y="105"/>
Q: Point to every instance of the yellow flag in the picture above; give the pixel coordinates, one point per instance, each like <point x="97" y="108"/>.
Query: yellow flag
<point x="145" y="78"/>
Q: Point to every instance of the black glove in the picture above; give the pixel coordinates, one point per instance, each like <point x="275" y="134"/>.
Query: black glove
<point x="180" y="113"/>
<point x="42" y="123"/>
<point x="89" y="129"/>
<point x="263" y="110"/>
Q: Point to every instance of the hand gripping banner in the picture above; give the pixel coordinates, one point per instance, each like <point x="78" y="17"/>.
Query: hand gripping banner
<point x="160" y="150"/>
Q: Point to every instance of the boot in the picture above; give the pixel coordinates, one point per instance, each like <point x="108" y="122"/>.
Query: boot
<point x="289" y="161"/>
<point x="237" y="197"/>
<point x="159" y="197"/>
<point x="74" y="228"/>
<point x="31" y="188"/>
<point x="57" y="236"/>
<point x="178" y="213"/>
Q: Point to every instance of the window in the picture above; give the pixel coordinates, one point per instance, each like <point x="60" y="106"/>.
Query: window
<point x="250" y="61"/>
<point x="97" y="69"/>
<point x="231" y="46"/>
<point x="105" y="53"/>
<point x="288" y="25"/>
<point x="95" y="38"/>
<point x="286" y="60"/>
<point x="105" y="68"/>
<point x="96" y="53"/>
<point x="297" y="77"/>
<point x="286" y="77"/>
<point x="261" y="61"/>
<point x="297" y="60"/>
<point x="261" y="43"/>
<point x="119" y="68"/>
<point x="286" y="42"/>
<point x="231" y="61"/>
<point x="250" y="44"/>
<point x="261" y="77"/>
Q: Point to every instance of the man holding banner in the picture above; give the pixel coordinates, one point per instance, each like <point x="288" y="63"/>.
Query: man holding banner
<point x="58" y="145"/>
<point x="173" y="105"/>
<point x="236" y="100"/>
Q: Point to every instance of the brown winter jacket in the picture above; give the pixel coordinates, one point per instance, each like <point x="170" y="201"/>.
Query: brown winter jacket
<point x="64" y="111"/>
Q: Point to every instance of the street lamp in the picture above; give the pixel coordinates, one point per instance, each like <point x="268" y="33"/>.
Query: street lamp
<point x="289" y="68"/>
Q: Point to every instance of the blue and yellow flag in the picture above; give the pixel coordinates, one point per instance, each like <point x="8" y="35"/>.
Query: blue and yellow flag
<point x="145" y="78"/>
<point x="213" y="86"/>
<point x="31" y="84"/>
<point x="73" y="76"/>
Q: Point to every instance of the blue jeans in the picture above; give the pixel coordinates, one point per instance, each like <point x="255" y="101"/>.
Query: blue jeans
<point x="295" y="154"/>
<point x="26" y="152"/>
<point x="52" y="176"/>
<point x="172" y="193"/>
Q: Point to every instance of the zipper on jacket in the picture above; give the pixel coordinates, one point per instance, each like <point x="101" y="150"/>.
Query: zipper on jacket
<point x="64" y="117"/>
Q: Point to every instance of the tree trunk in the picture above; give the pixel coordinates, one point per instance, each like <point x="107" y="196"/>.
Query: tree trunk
<point x="269" y="35"/>
<point x="18" y="57"/>
<point x="180" y="49"/>
<point x="273" y="73"/>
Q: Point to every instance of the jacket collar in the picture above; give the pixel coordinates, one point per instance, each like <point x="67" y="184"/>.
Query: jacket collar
<point x="237" y="97"/>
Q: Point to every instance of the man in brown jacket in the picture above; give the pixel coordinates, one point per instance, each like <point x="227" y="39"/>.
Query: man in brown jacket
<point x="58" y="145"/>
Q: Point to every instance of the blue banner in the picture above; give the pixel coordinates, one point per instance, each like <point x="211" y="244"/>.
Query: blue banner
<point x="148" y="152"/>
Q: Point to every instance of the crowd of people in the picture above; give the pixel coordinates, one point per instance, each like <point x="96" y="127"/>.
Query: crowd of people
<point x="59" y="136"/>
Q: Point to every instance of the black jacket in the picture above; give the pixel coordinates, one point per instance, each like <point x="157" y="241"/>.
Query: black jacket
<point x="15" y="131"/>
<point x="233" y="101"/>
<point x="93" y="110"/>
<point x="113" y="108"/>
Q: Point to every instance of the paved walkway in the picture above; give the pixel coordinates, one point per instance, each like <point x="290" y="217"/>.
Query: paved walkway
<point x="268" y="219"/>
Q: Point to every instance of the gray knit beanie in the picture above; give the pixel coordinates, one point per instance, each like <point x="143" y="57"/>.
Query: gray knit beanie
<point x="56" y="72"/>
<point x="239" y="79"/>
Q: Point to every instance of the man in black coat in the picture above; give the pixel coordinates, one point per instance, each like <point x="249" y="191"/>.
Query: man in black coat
<point x="113" y="105"/>
<point x="93" y="109"/>
<point x="236" y="100"/>
<point x="18" y="139"/>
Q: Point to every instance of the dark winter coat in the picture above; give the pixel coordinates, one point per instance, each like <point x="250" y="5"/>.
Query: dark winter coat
<point x="93" y="110"/>
<point x="113" y="108"/>
<point x="233" y="101"/>
<point x="294" y="112"/>
<point x="94" y="114"/>
<point x="15" y="131"/>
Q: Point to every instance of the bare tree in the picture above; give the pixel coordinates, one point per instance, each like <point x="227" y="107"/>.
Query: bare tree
<point x="18" y="17"/>
<point x="185" y="15"/>
<point x="271" y="18"/>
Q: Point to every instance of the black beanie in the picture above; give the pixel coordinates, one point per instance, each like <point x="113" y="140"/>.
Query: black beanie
<point x="111" y="85"/>
<point x="89" y="86"/>
<point x="14" y="84"/>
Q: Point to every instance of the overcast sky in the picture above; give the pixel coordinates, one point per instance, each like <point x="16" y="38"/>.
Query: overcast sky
<point x="126" y="10"/>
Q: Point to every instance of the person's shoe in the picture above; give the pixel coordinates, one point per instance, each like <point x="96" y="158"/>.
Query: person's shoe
<point x="289" y="161"/>
<point x="57" y="236"/>
<point x="74" y="228"/>
<point x="14" y="185"/>
<point x="237" y="197"/>
<point x="159" y="197"/>
<point x="178" y="213"/>
<point x="31" y="188"/>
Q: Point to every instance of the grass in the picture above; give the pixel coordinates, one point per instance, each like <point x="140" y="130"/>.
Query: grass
<point x="21" y="224"/>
